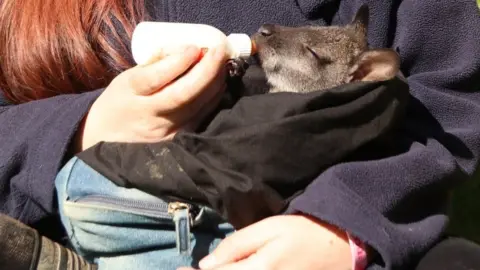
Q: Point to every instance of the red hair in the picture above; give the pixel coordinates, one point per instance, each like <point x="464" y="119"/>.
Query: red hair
<point x="52" y="47"/>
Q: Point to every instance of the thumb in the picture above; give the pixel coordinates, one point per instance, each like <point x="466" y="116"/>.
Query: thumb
<point x="162" y="69"/>
<point x="241" y="244"/>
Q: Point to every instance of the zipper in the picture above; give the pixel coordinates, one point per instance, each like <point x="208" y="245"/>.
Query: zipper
<point x="182" y="213"/>
<point x="183" y="221"/>
<point x="159" y="210"/>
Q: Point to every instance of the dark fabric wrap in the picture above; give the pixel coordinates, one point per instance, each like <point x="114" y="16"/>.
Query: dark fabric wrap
<point x="254" y="158"/>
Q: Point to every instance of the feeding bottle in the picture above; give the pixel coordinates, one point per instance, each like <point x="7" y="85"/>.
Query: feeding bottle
<point x="149" y="37"/>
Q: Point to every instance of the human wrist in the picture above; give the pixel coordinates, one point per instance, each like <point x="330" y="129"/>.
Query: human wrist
<point x="340" y="241"/>
<point x="357" y="249"/>
<point x="359" y="253"/>
<point x="77" y="141"/>
<point x="77" y="137"/>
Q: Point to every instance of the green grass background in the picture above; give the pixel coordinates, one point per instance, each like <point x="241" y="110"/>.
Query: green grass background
<point x="465" y="209"/>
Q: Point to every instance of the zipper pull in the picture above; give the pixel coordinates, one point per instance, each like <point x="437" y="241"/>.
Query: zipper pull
<point x="181" y="217"/>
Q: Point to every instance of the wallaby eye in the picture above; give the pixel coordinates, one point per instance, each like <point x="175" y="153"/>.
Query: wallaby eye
<point x="321" y="59"/>
<point x="311" y="51"/>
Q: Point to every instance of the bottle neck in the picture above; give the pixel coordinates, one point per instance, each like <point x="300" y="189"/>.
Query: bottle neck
<point x="239" y="45"/>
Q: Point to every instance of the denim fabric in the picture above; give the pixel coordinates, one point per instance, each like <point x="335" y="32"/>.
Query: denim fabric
<point x="120" y="228"/>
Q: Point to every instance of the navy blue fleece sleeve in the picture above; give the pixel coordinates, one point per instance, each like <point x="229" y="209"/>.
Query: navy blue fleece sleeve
<point x="34" y="138"/>
<point x="396" y="204"/>
<point x="3" y="100"/>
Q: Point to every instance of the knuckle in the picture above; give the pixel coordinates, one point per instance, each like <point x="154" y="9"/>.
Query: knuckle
<point x="226" y="245"/>
<point x="182" y="98"/>
<point x="177" y="101"/>
<point x="262" y="265"/>
<point x="152" y="84"/>
<point x="119" y="79"/>
<point x="145" y="83"/>
<point x="265" y="263"/>
<point x="132" y="80"/>
<point x="150" y="132"/>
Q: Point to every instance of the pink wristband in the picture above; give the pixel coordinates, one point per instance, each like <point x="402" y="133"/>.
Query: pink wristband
<point x="359" y="255"/>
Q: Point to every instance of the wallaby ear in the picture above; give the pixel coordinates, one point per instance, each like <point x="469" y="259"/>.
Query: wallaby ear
<point x="360" y="21"/>
<point x="375" y="65"/>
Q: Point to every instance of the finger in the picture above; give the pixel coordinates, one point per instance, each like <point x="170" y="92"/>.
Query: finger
<point x="181" y="121"/>
<point x="188" y="87"/>
<point x="241" y="244"/>
<point x="195" y="110"/>
<point x="211" y="106"/>
<point x="215" y="88"/>
<point x="275" y="255"/>
<point x="253" y="262"/>
<point x="205" y="111"/>
<point x="204" y="100"/>
<point x="148" y="79"/>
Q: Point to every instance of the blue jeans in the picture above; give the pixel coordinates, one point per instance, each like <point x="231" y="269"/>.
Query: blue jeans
<point x="120" y="228"/>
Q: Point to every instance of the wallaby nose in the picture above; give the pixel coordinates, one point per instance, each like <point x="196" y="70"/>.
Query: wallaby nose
<point x="266" y="30"/>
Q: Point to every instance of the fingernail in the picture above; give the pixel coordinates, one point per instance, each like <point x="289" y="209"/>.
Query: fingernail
<point x="202" y="53"/>
<point x="207" y="262"/>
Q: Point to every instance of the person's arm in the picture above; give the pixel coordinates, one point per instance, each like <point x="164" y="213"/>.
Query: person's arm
<point x="396" y="204"/>
<point x="35" y="139"/>
<point x="3" y="100"/>
<point x="138" y="105"/>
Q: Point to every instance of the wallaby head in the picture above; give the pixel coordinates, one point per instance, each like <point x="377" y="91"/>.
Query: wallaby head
<point x="309" y="58"/>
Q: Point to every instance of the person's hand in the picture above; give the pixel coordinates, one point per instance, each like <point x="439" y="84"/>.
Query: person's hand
<point x="149" y="103"/>
<point x="282" y="243"/>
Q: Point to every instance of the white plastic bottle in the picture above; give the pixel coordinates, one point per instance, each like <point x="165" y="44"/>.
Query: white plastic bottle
<point x="149" y="37"/>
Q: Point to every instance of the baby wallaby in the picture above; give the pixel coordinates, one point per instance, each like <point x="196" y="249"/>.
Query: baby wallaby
<point x="310" y="58"/>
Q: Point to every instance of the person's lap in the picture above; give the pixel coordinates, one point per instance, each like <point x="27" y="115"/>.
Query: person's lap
<point x="121" y="228"/>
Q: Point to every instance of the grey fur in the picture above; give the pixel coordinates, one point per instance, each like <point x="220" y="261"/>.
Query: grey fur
<point x="310" y="58"/>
